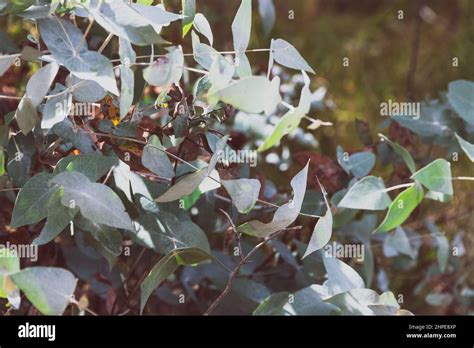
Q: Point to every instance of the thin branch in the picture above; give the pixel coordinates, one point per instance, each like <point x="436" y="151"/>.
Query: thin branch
<point x="244" y="260"/>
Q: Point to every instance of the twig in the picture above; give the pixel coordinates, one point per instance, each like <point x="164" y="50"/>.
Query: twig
<point x="244" y="260"/>
<point x="234" y="229"/>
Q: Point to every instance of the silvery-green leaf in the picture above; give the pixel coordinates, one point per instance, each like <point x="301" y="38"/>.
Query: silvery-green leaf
<point x="31" y="202"/>
<point x="359" y="164"/>
<point x="77" y="136"/>
<point x="253" y="94"/>
<point x="49" y="289"/>
<point x="164" y="268"/>
<point x="167" y="70"/>
<point x="399" y="241"/>
<point x="202" y="25"/>
<point x="64" y="41"/>
<point x="365" y="302"/>
<point x="243" y="192"/>
<point x="461" y="97"/>
<point x="443" y="251"/>
<point x="467" y="147"/>
<point x="291" y="120"/>
<point x="435" y="120"/>
<point x="242" y="65"/>
<point x="285" y="214"/>
<point x="127" y="78"/>
<point x="322" y="231"/>
<point x="85" y="91"/>
<point x="157" y="16"/>
<point x="268" y="15"/>
<point x="204" y="54"/>
<point x="6" y="62"/>
<point x="127" y="87"/>
<point x="94" y="166"/>
<point x="125" y="21"/>
<point x="189" y="11"/>
<point x="97" y="202"/>
<point x="436" y="176"/>
<point x="285" y="54"/>
<point x="341" y="277"/>
<point x="21" y="150"/>
<point x="56" y="109"/>
<point x="129" y="182"/>
<point x="242" y="25"/>
<point x="155" y="159"/>
<point x="368" y="194"/>
<point x="402" y="152"/>
<point x="59" y="217"/>
<point x="164" y="232"/>
<point x="26" y="115"/>
<point x="39" y="84"/>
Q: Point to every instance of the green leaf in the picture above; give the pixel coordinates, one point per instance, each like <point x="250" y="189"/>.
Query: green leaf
<point x="436" y="176"/>
<point x="368" y="193"/>
<point x="189" y="200"/>
<point x="9" y="264"/>
<point x="97" y="202"/>
<point x="2" y="162"/>
<point x="285" y="214"/>
<point x="402" y="152"/>
<point x="64" y="41"/>
<point x="59" y="217"/>
<point x="243" y="192"/>
<point x="292" y="119"/>
<point x="109" y="238"/>
<point x="21" y="150"/>
<point x="323" y="230"/>
<point x="467" y="147"/>
<point x="31" y="202"/>
<point x="93" y="166"/>
<point x="401" y="208"/>
<point x="461" y="98"/>
<point x="189" y="11"/>
<point x="202" y="25"/>
<point x="49" y="289"/>
<point x="286" y="54"/>
<point x="26" y="115"/>
<point x="164" y="268"/>
<point x="155" y="159"/>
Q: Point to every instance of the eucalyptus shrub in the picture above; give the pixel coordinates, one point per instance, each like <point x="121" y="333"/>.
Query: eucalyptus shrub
<point x="124" y="183"/>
